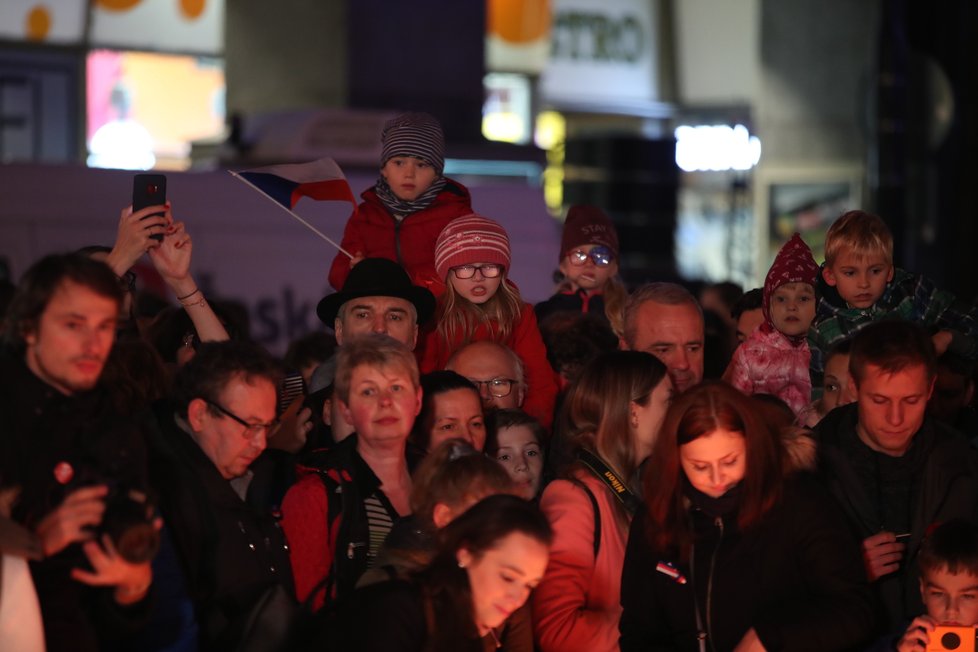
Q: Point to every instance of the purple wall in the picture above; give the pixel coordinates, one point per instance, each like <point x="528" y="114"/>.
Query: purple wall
<point x="245" y="247"/>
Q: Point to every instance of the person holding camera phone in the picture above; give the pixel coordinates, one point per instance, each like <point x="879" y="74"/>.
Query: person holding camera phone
<point x="67" y="453"/>
<point x="948" y="565"/>
<point x="153" y="231"/>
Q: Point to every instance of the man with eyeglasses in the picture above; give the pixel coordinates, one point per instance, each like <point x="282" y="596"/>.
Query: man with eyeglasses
<point x="214" y="498"/>
<point x="588" y="265"/>
<point x="495" y="369"/>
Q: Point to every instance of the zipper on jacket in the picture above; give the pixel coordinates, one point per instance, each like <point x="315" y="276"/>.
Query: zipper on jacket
<point x="351" y="550"/>
<point x="397" y="240"/>
<point x="709" y="584"/>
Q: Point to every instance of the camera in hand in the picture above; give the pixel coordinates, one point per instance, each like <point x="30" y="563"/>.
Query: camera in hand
<point x="959" y="639"/>
<point x="127" y="520"/>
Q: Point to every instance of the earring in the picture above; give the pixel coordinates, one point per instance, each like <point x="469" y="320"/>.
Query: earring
<point x="460" y="564"/>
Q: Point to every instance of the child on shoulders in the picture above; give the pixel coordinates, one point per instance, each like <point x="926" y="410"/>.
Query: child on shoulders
<point x="403" y="213"/>
<point x="774" y="359"/>
<point x="861" y="286"/>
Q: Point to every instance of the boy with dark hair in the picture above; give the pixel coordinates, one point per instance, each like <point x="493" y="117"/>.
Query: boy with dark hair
<point x="861" y="286"/>
<point x="748" y="313"/>
<point x="948" y="565"/>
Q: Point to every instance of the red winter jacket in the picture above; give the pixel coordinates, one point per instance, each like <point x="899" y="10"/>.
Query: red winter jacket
<point x="410" y="242"/>
<point x="525" y="340"/>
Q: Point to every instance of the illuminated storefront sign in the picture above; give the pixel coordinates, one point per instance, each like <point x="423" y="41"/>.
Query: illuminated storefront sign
<point x="602" y="52"/>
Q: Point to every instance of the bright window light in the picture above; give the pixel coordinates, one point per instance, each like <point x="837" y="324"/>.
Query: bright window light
<point x="146" y="109"/>
<point x="716" y="148"/>
<point x="506" y="112"/>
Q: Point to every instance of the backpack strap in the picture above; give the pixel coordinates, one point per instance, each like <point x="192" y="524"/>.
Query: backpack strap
<point x="336" y="506"/>
<point x="597" y="514"/>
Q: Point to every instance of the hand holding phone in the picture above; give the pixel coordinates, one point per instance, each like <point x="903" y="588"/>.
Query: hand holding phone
<point x="962" y="639"/>
<point x="149" y="190"/>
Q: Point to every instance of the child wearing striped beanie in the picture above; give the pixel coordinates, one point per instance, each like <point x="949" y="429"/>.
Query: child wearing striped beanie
<point x="472" y="257"/>
<point x="403" y="213"/>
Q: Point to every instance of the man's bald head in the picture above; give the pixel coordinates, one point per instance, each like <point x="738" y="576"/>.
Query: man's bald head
<point x="483" y="362"/>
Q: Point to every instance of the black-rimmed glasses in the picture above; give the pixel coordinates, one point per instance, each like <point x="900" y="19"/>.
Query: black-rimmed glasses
<point x="489" y="270"/>
<point x="498" y="387"/>
<point x="600" y="256"/>
<point x="252" y="430"/>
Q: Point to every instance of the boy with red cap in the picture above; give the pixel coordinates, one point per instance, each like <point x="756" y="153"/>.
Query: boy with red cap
<point x="403" y="213"/>
<point x="775" y="358"/>
<point x="589" y="265"/>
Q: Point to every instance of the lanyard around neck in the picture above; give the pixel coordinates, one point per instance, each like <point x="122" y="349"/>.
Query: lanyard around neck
<point x="601" y="470"/>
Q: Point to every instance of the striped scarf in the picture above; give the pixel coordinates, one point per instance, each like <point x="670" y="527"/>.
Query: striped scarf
<point x="401" y="208"/>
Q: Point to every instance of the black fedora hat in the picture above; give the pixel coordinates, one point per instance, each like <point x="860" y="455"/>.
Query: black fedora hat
<point x="377" y="277"/>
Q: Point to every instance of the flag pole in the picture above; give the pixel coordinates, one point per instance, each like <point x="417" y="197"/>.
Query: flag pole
<point x="305" y="223"/>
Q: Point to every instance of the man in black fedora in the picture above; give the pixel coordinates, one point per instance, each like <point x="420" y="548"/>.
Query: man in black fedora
<point x="378" y="297"/>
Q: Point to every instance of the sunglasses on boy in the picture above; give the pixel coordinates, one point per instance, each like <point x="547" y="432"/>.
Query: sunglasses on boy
<point x="489" y="270"/>
<point x="600" y="256"/>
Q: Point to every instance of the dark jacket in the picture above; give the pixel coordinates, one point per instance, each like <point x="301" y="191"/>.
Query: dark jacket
<point x="408" y="619"/>
<point x="40" y="429"/>
<point x="942" y="484"/>
<point x="231" y="550"/>
<point x="574" y="302"/>
<point x="795" y="577"/>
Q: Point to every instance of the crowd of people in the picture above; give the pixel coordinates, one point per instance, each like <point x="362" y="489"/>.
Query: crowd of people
<point x="447" y="467"/>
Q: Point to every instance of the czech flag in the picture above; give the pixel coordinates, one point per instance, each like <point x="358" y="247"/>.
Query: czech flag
<point x="321" y="180"/>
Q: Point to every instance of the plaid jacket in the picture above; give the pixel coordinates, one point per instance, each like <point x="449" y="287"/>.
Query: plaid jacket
<point x="909" y="297"/>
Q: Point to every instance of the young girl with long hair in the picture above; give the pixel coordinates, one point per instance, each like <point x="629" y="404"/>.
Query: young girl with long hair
<point x="614" y="411"/>
<point x="472" y="255"/>
<point x="736" y="548"/>
<point x="488" y="560"/>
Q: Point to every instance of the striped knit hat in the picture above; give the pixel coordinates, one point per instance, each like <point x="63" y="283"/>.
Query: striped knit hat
<point x="414" y="134"/>
<point x="471" y="239"/>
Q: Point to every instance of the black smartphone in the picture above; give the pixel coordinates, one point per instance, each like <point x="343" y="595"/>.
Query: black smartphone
<point x="149" y="190"/>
